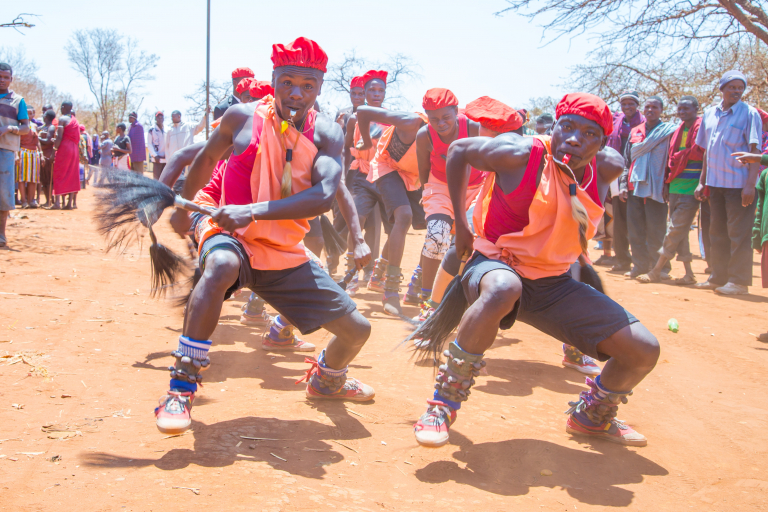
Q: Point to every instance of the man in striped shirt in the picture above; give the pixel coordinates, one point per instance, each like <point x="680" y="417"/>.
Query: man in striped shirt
<point x="732" y="126"/>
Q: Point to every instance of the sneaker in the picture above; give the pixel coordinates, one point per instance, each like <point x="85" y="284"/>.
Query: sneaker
<point x="411" y="299"/>
<point x="621" y="267"/>
<point x="352" y="390"/>
<point x="707" y="285"/>
<point x="173" y="416"/>
<point x="259" y="320"/>
<point x="280" y="337"/>
<point x="615" y="431"/>
<point x="432" y="428"/>
<point x="392" y="305"/>
<point x="376" y="284"/>
<point x="353" y="287"/>
<point x="732" y="289"/>
<point x="574" y="358"/>
<point x="604" y="261"/>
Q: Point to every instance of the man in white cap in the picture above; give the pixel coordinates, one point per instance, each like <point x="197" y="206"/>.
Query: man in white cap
<point x="729" y="127"/>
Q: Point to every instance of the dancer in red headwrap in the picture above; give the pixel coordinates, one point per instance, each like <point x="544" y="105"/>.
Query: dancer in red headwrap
<point x="284" y="169"/>
<point x="537" y="209"/>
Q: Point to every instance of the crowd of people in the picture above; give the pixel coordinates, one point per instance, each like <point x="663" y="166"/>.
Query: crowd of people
<point x="507" y="211"/>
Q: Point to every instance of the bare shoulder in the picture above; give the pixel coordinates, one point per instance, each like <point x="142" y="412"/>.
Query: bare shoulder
<point x="422" y="136"/>
<point x="509" y="146"/>
<point x="64" y="120"/>
<point x="237" y="114"/>
<point x="610" y="164"/>
<point x="328" y="134"/>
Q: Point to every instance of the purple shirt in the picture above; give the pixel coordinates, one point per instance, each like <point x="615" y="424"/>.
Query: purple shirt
<point x="138" y="146"/>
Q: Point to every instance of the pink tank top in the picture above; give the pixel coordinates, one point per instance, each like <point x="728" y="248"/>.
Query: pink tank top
<point x="237" y="175"/>
<point x="439" y="154"/>
<point x="508" y="213"/>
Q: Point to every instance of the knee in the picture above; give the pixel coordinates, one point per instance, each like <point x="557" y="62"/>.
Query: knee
<point x="500" y="292"/>
<point x="358" y="329"/>
<point x="222" y="268"/>
<point x="403" y="215"/>
<point x="639" y="347"/>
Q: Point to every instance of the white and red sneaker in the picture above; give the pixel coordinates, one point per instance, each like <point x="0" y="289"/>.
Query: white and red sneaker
<point x="329" y="384"/>
<point x="614" y="431"/>
<point x="173" y="416"/>
<point x="574" y="358"/>
<point x="281" y="337"/>
<point x="432" y="428"/>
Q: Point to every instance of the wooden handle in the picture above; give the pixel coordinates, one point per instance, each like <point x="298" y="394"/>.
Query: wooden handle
<point x="185" y="204"/>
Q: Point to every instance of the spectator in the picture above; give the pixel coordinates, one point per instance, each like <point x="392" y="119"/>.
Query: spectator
<point x="544" y="124"/>
<point x="732" y="126"/>
<point x="122" y="149"/>
<point x="105" y="150"/>
<point x="684" y="172"/>
<point x="14" y="122"/>
<point x="37" y="122"/>
<point x="156" y="144"/>
<point x="233" y="98"/>
<point x="95" y="153"/>
<point x="46" y="136"/>
<point x="180" y="135"/>
<point x="623" y="123"/>
<point x="66" y="163"/>
<point x="138" y="146"/>
<point x="28" y="165"/>
<point x="647" y="153"/>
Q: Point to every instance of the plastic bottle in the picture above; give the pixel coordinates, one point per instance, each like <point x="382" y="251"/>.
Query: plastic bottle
<point x="672" y="325"/>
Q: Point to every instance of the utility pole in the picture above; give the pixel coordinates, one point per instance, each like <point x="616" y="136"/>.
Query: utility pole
<point x="208" y="74"/>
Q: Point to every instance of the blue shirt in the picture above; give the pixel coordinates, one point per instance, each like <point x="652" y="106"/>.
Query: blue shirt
<point x="723" y="133"/>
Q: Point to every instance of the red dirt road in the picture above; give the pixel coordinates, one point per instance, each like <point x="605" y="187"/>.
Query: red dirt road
<point x="96" y="348"/>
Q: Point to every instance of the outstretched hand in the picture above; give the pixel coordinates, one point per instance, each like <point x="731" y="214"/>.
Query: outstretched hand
<point x="747" y="158"/>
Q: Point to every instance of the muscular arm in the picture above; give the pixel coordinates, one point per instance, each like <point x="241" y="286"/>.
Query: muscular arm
<point x="506" y="155"/>
<point x="361" y="251"/>
<point x="63" y="120"/>
<point x="610" y="165"/>
<point x="177" y="163"/>
<point x="213" y="150"/>
<point x="407" y="124"/>
<point x="423" y="149"/>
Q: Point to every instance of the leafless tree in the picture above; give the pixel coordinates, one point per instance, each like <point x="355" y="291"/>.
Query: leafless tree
<point x="672" y="25"/>
<point x="219" y="92"/>
<point x="401" y="69"/>
<point x="113" y="68"/>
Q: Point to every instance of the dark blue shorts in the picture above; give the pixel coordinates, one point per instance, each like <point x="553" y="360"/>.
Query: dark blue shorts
<point x="305" y="295"/>
<point x="567" y="310"/>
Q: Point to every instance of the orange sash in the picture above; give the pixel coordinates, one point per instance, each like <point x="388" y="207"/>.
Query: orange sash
<point x="383" y="164"/>
<point x="549" y="244"/>
<point x="362" y="157"/>
<point x="271" y="244"/>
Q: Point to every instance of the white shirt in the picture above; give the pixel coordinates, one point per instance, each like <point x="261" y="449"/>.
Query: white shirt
<point x="156" y="143"/>
<point x="178" y="136"/>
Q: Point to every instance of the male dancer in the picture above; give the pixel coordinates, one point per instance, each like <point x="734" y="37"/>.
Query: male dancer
<point x="395" y="172"/>
<point x="367" y="196"/>
<point x="533" y="218"/>
<point x="285" y="168"/>
<point x="445" y="126"/>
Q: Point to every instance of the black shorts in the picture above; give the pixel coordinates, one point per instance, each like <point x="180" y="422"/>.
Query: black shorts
<point x="393" y="193"/>
<point x="305" y="295"/>
<point x="569" y="311"/>
<point x="419" y="221"/>
<point x="367" y="197"/>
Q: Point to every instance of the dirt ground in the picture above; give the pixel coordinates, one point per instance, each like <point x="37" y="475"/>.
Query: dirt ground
<point x="89" y="354"/>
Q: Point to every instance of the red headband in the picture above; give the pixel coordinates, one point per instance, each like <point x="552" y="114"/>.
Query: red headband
<point x="373" y="75"/>
<point x="357" y="82"/>
<point x="259" y="89"/>
<point x="587" y="106"/>
<point x="439" y="98"/>
<point x="242" y="72"/>
<point x="244" y="84"/>
<point x="303" y="53"/>
<point x="494" y="115"/>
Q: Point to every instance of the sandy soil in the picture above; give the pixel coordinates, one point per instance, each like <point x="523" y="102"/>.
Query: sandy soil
<point x="96" y="348"/>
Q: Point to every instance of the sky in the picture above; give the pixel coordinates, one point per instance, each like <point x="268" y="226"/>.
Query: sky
<point x="458" y="44"/>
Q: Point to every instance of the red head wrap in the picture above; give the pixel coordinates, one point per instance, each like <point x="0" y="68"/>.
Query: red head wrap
<point x="82" y="128"/>
<point x="373" y="75"/>
<point x="494" y="115"/>
<point x="242" y="73"/>
<point x="356" y="82"/>
<point x="438" y="98"/>
<point x="303" y="53"/>
<point x="587" y="106"/>
<point x="243" y="85"/>
<point x="259" y="89"/>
